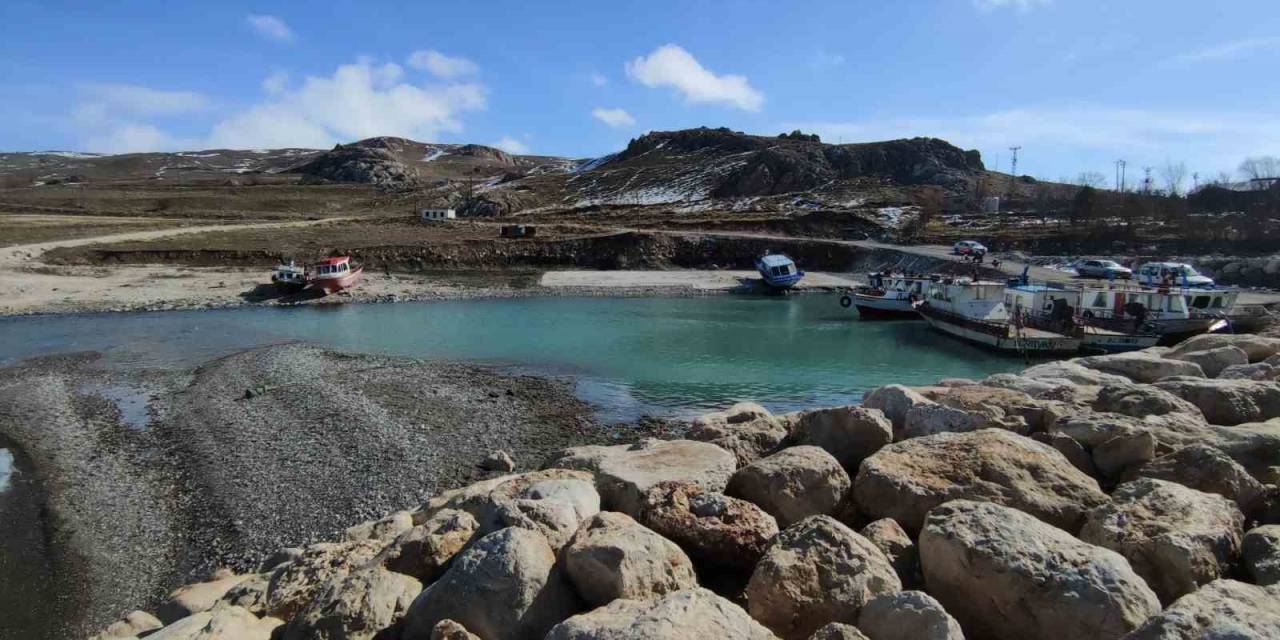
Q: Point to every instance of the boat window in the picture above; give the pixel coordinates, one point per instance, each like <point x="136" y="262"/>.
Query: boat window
<point x="1175" y="304"/>
<point x="1200" y="302"/>
<point x="1099" y="300"/>
<point x="1217" y="302"/>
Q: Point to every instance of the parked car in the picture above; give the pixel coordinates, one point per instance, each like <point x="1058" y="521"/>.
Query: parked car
<point x="967" y="247"/>
<point x="1175" y="274"/>
<point x="1109" y="269"/>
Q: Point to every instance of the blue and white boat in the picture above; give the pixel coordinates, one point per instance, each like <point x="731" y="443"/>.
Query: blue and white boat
<point x="778" y="270"/>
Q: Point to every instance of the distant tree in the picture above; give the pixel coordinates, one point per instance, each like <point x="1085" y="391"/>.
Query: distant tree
<point x="1084" y="205"/>
<point x="1091" y="179"/>
<point x="931" y="201"/>
<point x="800" y="135"/>
<point x="1174" y="175"/>
<point x="1260" y="167"/>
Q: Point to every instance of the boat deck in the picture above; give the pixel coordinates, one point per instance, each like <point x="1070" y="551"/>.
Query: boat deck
<point x="1030" y="332"/>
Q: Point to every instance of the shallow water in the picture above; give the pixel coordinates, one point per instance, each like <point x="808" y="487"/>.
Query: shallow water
<point x="6" y="468"/>
<point x="629" y="356"/>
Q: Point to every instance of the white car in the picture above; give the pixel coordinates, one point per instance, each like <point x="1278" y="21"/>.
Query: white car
<point x="1177" y="274"/>
<point x="968" y="247"/>
<point x="1102" y="269"/>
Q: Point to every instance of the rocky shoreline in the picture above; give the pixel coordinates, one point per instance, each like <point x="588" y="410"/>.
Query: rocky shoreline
<point x="1130" y="496"/>
<point x="158" y="477"/>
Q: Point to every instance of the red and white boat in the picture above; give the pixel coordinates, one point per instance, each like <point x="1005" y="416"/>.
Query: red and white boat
<point x="334" y="274"/>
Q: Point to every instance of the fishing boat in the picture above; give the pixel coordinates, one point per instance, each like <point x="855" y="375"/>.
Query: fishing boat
<point x="289" y="277"/>
<point x="1056" y="308"/>
<point x="1174" y="313"/>
<point x="975" y="311"/>
<point x="334" y="274"/>
<point x="778" y="270"/>
<point x="888" y="296"/>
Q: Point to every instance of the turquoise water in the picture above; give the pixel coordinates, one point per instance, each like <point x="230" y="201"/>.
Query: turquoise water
<point x="629" y="356"/>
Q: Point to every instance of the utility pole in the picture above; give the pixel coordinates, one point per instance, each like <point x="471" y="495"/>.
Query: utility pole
<point x="1120" y="176"/>
<point x="1146" y="182"/>
<point x="1015" y="160"/>
<point x="1195" y="181"/>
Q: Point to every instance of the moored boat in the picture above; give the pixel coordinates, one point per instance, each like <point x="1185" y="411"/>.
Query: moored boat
<point x="1057" y="308"/>
<point x="289" y="277"/>
<point x="888" y="296"/>
<point x="334" y="274"/>
<point x="778" y="270"/>
<point x="975" y="311"/>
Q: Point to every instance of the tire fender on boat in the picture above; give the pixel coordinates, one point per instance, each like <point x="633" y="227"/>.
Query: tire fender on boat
<point x="846" y="301"/>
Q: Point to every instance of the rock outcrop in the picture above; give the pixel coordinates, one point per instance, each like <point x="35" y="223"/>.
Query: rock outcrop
<point x="908" y="615"/>
<point x="714" y="529"/>
<point x="1141" y="366"/>
<point x="746" y="429"/>
<point x="905" y="480"/>
<point x="692" y="613"/>
<point x="624" y="473"/>
<point x="849" y="434"/>
<point x="1007" y="575"/>
<point x="1228" y="402"/>
<point x="1205" y="468"/>
<point x="1260" y="554"/>
<point x="357" y="607"/>
<point x="424" y="551"/>
<point x="1221" y="610"/>
<point x="614" y="557"/>
<point x="1213" y="361"/>
<point x="793" y="484"/>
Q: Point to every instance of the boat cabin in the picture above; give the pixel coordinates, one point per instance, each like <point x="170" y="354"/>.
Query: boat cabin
<point x="978" y="300"/>
<point x="332" y="267"/>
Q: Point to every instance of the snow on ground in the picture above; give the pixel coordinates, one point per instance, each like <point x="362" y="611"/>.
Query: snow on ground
<point x="434" y="155"/>
<point x="893" y="217"/>
<point x="592" y="163"/>
<point x="199" y="155"/>
<point x="67" y="154"/>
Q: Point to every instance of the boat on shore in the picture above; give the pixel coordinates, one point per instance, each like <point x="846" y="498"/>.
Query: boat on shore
<point x="778" y="270"/>
<point x="888" y="296"/>
<point x="975" y="311"/>
<point x="289" y="277"/>
<point x="334" y="274"/>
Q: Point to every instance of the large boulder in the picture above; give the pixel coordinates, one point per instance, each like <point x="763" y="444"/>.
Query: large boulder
<point x="888" y="536"/>
<point x="1255" y="445"/>
<point x="382" y="530"/>
<point x="358" y="607"/>
<point x="894" y="401"/>
<point x="613" y="556"/>
<point x="1204" y="468"/>
<point x="1257" y="348"/>
<point x="908" y="615"/>
<point x="1009" y="576"/>
<point x="1175" y="537"/>
<point x="1220" y="610"/>
<point x="451" y="630"/>
<point x="792" y="484"/>
<point x="850" y="433"/>
<point x="1255" y="371"/>
<point x="551" y="501"/>
<point x="1111" y="457"/>
<point x="294" y="584"/>
<point x="930" y="419"/>
<point x="1140" y="400"/>
<point x="1071" y="372"/>
<point x="905" y="480"/>
<point x="506" y="586"/>
<point x="424" y="551"/>
<point x="1229" y="402"/>
<point x="1141" y="366"/>
<point x="132" y="625"/>
<point x="838" y="631"/>
<point x="1213" y="361"/>
<point x="746" y="429"/>
<point x="692" y="613"/>
<point x="714" y="529"/>
<point x="198" y="597"/>
<point x="220" y="623"/>
<point x="1260" y="554"/>
<point x="624" y="473"/>
<point x="818" y="571"/>
<point x="1171" y="431"/>
<point x="1003" y="408"/>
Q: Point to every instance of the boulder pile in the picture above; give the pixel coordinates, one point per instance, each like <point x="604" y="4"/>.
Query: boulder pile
<point x="1127" y="496"/>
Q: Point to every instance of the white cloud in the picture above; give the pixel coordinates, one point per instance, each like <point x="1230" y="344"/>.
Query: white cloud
<point x="102" y="102"/>
<point x="134" y="138"/>
<point x="358" y="101"/>
<point x="442" y="66"/>
<point x="270" y="27"/>
<point x="825" y="59"/>
<point x="599" y="80"/>
<point x="1209" y="140"/>
<point x="1020" y="5"/>
<point x="672" y="66"/>
<point x="276" y="82"/>
<point x="511" y="145"/>
<point x="613" y="117"/>
<point x="1228" y="50"/>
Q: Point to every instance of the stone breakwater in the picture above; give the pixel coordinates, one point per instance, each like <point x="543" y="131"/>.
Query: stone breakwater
<point x="1125" y="496"/>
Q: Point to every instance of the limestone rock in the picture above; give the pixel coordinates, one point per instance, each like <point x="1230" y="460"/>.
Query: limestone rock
<point x="1204" y="468"/>
<point x="1009" y="576"/>
<point x="1257" y="348"/>
<point x="624" y="473"/>
<point x="1072" y="450"/>
<point x="746" y="429"/>
<point x="1172" y="431"/>
<point x="492" y="502"/>
<point x="1176" y="538"/>
<point x="131" y="626"/>
<point x="1255" y="371"/>
<point x="1113" y="456"/>
<point x="294" y="584"/>
<point x="384" y="530"/>
<point x="930" y="419"/>
<point x="818" y="571"/>
<point x="424" y="550"/>
<point x="357" y="607"/>
<point x="250" y="594"/>
<point x="613" y="556"/>
<point x="504" y="587"/>
<point x="1140" y="400"/>
<point x="792" y="484"/>
<point x="1141" y="366"/>
<point x="1220" y="610"/>
<point x="198" y="597"/>
<point x="711" y="527"/>
<point x="888" y="536"/>
<point x="894" y="401"/>
<point x="450" y="630"/>
<point x="692" y="613"/>
<point x="850" y="433"/>
<point x="498" y="461"/>
<point x="1229" y="402"/>
<point x="905" y="480"/>
<point x="1260" y="554"/>
<point x="1213" y="361"/>
<point x="1072" y="372"/>
<point x="220" y="623"/>
<point x="838" y="631"/>
<point x="1255" y="445"/>
<point x="908" y="615"/>
<point x="1003" y="408"/>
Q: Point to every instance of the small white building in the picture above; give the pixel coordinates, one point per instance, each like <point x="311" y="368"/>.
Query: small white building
<point x="436" y="215"/>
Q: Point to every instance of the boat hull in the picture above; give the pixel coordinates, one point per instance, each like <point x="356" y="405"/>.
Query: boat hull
<point x="1117" y="343"/>
<point x="782" y="282"/>
<point x="1013" y="344"/>
<point x="333" y="285"/>
<point x="877" y="307"/>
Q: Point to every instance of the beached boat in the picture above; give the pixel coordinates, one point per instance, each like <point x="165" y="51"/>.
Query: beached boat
<point x="289" y="278"/>
<point x="975" y="311"/>
<point x="334" y="274"/>
<point x="888" y="296"/>
<point x="1057" y="308"/>
<point x="778" y="270"/>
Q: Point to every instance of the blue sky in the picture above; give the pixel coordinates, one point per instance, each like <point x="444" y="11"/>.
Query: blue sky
<point x="1076" y="83"/>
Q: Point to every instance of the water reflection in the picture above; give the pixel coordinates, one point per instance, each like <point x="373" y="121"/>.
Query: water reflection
<point x="6" y="468"/>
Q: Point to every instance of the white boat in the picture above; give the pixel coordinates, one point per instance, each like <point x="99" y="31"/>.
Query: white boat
<point x="975" y="311"/>
<point x="888" y="296"/>
<point x="1057" y="308"/>
<point x="1173" y="313"/>
<point x="289" y="277"/>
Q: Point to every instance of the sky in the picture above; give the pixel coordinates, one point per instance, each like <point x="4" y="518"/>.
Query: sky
<point x="1077" y="84"/>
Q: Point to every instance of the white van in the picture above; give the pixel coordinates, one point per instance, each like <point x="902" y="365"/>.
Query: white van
<point x="1176" y="274"/>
